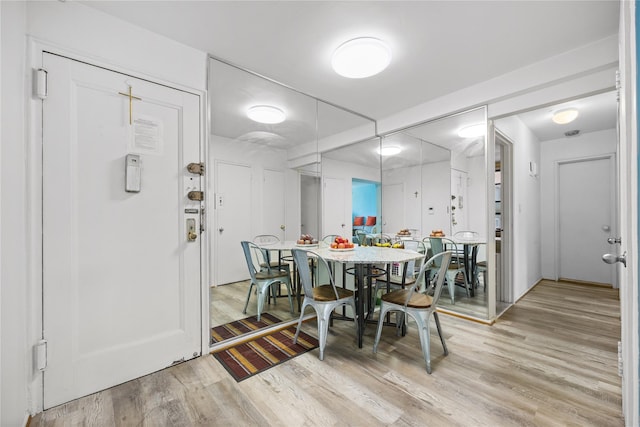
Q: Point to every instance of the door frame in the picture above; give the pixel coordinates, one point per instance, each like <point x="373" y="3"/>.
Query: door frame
<point x="628" y="164"/>
<point x="506" y="208"/>
<point x="34" y="246"/>
<point x="611" y="157"/>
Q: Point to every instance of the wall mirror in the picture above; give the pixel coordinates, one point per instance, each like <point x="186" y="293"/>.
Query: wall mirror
<point x="264" y="180"/>
<point x="434" y="185"/>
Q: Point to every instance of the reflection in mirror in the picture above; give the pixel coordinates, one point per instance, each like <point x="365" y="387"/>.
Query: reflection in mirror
<point x="264" y="186"/>
<point x="351" y="176"/>
<point x="434" y="186"/>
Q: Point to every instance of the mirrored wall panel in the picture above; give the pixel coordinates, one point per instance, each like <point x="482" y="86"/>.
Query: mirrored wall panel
<point x="264" y="188"/>
<point x="434" y="191"/>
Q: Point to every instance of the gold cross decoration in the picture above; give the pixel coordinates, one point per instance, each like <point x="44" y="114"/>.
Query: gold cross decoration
<point x="131" y="98"/>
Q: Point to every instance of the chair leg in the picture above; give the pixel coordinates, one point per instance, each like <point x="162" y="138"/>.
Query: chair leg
<point x="451" y="284"/>
<point x="263" y="294"/>
<point x="246" y="304"/>
<point x="287" y="283"/>
<point x="425" y="338"/>
<point x="304" y="305"/>
<point x="444" y="346"/>
<point x="383" y="311"/>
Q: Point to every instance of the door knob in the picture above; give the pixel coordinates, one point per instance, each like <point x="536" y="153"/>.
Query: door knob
<point x="221" y="229"/>
<point x="614" y="240"/>
<point x="612" y="259"/>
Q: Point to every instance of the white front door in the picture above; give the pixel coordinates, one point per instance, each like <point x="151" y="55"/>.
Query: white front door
<point x="586" y="196"/>
<point x="273" y="217"/>
<point x="233" y="221"/>
<point x="121" y="280"/>
<point x="458" y="201"/>
<point x="393" y="208"/>
<point x="333" y="208"/>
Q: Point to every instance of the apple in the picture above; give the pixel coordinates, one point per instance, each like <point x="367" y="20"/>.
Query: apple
<point x="341" y="246"/>
<point x="300" y="242"/>
<point x="334" y="245"/>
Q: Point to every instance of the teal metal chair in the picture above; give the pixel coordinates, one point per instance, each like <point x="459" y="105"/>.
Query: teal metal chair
<point x="456" y="267"/>
<point x="323" y="298"/>
<point x="263" y="276"/>
<point x="415" y="302"/>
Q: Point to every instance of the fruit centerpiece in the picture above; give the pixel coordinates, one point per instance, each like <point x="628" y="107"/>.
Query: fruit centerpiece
<point x="341" y="243"/>
<point x="436" y="233"/>
<point x="404" y="232"/>
<point x="307" y="239"/>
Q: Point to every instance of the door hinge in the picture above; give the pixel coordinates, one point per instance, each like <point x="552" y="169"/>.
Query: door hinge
<point x="196" y="168"/>
<point x="41" y="355"/>
<point x="620" y="367"/>
<point x="42" y="83"/>
<point x="196" y="195"/>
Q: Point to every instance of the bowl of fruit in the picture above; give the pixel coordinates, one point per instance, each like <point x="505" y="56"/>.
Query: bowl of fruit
<point x="307" y="240"/>
<point x="436" y="233"/>
<point x="404" y="232"/>
<point x="341" y="244"/>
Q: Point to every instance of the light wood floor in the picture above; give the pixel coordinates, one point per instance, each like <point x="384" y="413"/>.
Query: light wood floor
<point x="550" y="360"/>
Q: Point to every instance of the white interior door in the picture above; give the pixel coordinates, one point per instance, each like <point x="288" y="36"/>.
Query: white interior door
<point x="334" y="208"/>
<point x="273" y="216"/>
<point x="309" y="212"/>
<point x="393" y="208"/>
<point x="121" y="281"/>
<point x="586" y="196"/>
<point x="458" y="201"/>
<point x="233" y="221"/>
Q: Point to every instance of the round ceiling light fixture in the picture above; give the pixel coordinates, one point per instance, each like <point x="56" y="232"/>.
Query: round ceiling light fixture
<point x="563" y="117"/>
<point x="266" y="114"/>
<point x="472" y="131"/>
<point x="361" y="57"/>
<point x="390" y="150"/>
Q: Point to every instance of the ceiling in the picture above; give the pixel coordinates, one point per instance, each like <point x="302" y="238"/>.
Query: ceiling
<point x="438" y="46"/>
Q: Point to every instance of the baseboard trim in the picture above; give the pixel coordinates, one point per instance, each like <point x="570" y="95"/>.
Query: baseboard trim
<point x="585" y="282"/>
<point x="465" y="317"/>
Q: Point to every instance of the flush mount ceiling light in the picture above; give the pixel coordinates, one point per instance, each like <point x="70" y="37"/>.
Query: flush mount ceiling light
<point x="266" y="114"/>
<point x="391" y="150"/>
<point x="565" y="116"/>
<point x="472" y="131"/>
<point x="361" y="57"/>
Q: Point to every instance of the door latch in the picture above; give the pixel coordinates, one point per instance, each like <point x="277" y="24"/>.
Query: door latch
<point x="614" y="240"/>
<point x="612" y="259"/>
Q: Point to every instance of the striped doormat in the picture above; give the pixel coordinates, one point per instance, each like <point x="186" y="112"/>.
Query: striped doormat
<point x="252" y="357"/>
<point x="242" y="326"/>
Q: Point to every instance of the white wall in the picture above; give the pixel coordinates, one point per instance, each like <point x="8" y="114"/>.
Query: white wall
<point x="74" y="29"/>
<point x="527" y="269"/>
<point x="581" y="146"/>
<point x="259" y="158"/>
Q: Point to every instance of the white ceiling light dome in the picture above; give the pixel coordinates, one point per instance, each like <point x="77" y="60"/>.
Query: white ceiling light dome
<point x="266" y="114"/>
<point x="472" y="131"/>
<point x="563" y="117"/>
<point x="361" y="57"/>
<point x="390" y="150"/>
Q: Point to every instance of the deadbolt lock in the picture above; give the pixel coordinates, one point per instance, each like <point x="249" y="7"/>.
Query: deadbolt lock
<point x="196" y="168"/>
<point x="196" y="195"/>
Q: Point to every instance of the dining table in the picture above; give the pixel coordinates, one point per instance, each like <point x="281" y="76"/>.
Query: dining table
<point x="362" y="258"/>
